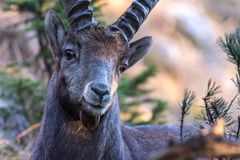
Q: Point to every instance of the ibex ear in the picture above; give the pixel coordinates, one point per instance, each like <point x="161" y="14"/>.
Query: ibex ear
<point x="138" y="49"/>
<point x="55" y="31"/>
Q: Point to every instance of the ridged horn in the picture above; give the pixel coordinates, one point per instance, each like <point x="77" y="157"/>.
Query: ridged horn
<point x="79" y="13"/>
<point x="129" y="23"/>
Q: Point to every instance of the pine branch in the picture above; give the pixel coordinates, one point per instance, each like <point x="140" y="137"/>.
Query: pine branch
<point x="237" y="82"/>
<point x="212" y="90"/>
<point x="232" y="101"/>
<point x="221" y="110"/>
<point x="231" y="46"/>
<point x="185" y="106"/>
<point x="216" y="107"/>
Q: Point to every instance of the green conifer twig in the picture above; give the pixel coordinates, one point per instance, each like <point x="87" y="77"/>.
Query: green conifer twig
<point x="185" y="107"/>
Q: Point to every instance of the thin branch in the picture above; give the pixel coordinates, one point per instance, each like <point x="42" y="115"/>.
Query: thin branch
<point x="232" y="101"/>
<point x="219" y="108"/>
<point x="27" y="131"/>
<point x="185" y="106"/>
<point x="212" y="90"/>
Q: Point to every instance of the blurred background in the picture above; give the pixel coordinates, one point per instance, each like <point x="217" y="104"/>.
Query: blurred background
<point x="184" y="55"/>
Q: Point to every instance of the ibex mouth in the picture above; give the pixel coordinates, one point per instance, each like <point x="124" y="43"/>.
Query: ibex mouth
<point x="90" y="115"/>
<point x="92" y="109"/>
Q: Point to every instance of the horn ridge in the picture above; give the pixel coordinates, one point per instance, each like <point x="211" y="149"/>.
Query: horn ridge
<point x="129" y="23"/>
<point x="133" y="21"/>
<point x="127" y="27"/>
<point x="147" y="3"/>
<point x="84" y="18"/>
<point x="80" y="6"/>
<point x="79" y="13"/>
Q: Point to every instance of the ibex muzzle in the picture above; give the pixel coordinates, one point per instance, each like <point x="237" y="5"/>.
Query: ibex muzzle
<point x="97" y="96"/>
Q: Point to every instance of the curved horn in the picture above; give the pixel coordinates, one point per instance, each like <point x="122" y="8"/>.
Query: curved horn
<point x="79" y="12"/>
<point x="129" y="23"/>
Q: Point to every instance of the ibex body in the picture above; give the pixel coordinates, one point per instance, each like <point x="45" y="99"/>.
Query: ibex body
<point x="81" y="116"/>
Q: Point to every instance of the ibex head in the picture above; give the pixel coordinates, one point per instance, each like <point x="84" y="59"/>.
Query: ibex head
<point x="90" y="59"/>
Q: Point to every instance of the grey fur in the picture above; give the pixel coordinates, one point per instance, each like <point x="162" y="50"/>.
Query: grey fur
<point x="86" y="58"/>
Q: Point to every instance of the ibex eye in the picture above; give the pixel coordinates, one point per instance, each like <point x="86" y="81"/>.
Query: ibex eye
<point x="69" y="54"/>
<point x="123" y="67"/>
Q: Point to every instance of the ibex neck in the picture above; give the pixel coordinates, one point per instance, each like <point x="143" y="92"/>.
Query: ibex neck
<point x="63" y="137"/>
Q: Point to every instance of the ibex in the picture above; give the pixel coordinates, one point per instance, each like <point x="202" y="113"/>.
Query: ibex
<point x="81" y="114"/>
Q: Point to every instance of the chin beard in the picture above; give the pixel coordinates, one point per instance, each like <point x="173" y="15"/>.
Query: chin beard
<point x="88" y="120"/>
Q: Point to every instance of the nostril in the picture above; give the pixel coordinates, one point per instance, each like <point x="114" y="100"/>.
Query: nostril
<point x="100" y="90"/>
